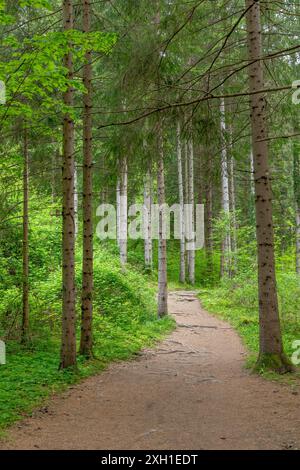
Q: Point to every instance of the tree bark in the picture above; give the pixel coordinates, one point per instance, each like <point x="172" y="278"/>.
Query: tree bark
<point x="68" y="347"/>
<point x="147" y="220"/>
<point x="191" y="249"/>
<point x="226" y="241"/>
<point x="86" y="340"/>
<point x="118" y="203"/>
<point x="162" y="242"/>
<point x="25" y="318"/>
<point x="271" y="353"/>
<point x="296" y="181"/>
<point x="123" y="211"/>
<point x="209" y="214"/>
<point x="233" y="267"/>
<point x="181" y="203"/>
<point x="76" y="200"/>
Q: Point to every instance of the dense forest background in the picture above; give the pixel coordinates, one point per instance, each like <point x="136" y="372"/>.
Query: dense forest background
<point x="143" y="102"/>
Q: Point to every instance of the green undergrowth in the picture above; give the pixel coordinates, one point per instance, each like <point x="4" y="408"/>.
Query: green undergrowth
<point x="236" y="302"/>
<point x="125" y="321"/>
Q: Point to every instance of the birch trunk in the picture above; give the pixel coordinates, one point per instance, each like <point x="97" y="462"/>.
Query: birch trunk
<point x="186" y="199"/>
<point x="147" y="220"/>
<point x="68" y="347"/>
<point x="118" y="202"/>
<point x="209" y="215"/>
<point x="191" y="248"/>
<point x="271" y="353"/>
<point x="226" y="242"/>
<point x="181" y="203"/>
<point x="123" y="211"/>
<point x="296" y="181"/>
<point x="25" y="318"/>
<point x="86" y="339"/>
<point x="297" y="239"/>
<point x="162" y="242"/>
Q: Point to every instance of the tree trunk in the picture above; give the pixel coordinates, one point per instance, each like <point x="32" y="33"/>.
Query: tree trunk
<point x="209" y="215"/>
<point x="252" y="184"/>
<point x="181" y="203"/>
<point x="68" y="347"/>
<point x="191" y="247"/>
<point x="75" y="200"/>
<point x="147" y="220"/>
<point x="271" y="353"/>
<point x="123" y="211"/>
<point x="86" y="340"/>
<point x="25" y="318"/>
<point x="226" y="242"/>
<point x="296" y="181"/>
<point x="118" y="203"/>
<point x="162" y="242"/>
<point x="233" y="267"/>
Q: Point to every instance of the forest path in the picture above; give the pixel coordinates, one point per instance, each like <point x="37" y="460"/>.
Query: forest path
<point x="190" y="392"/>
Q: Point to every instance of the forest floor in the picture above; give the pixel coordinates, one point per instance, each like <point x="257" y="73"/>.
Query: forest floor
<point x="191" y="392"/>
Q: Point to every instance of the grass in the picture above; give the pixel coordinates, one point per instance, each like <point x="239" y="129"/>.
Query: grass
<point x="32" y="376"/>
<point x="125" y="321"/>
<point x="228" y="305"/>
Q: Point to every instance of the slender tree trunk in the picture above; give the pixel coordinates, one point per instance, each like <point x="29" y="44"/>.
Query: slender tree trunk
<point x="147" y="220"/>
<point x="76" y="200"/>
<point x="252" y="184"/>
<point x="191" y="249"/>
<point x="68" y="347"/>
<point x="296" y="180"/>
<point x="297" y="239"/>
<point x="123" y="211"/>
<point x="271" y="353"/>
<point x="226" y="242"/>
<point x="233" y="220"/>
<point x="186" y="199"/>
<point x="86" y="340"/>
<point x="118" y="203"/>
<point x="162" y="242"/>
<point x="181" y="203"/>
<point x="25" y="319"/>
<point x="209" y="215"/>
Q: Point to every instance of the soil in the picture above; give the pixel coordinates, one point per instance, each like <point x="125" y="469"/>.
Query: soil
<point x="190" y="392"/>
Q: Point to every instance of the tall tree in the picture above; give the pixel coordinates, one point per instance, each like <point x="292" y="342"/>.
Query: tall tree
<point x="68" y="346"/>
<point x="162" y="242"/>
<point x="181" y="203"/>
<point x="86" y="340"/>
<point x="226" y="242"/>
<point x="25" y="320"/>
<point x="123" y="210"/>
<point x="271" y="354"/>
<point x="191" y="197"/>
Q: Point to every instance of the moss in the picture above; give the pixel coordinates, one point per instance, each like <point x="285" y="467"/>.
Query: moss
<point x="273" y="362"/>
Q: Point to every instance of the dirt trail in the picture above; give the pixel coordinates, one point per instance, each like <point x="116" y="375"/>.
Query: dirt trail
<point x="191" y="392"/>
